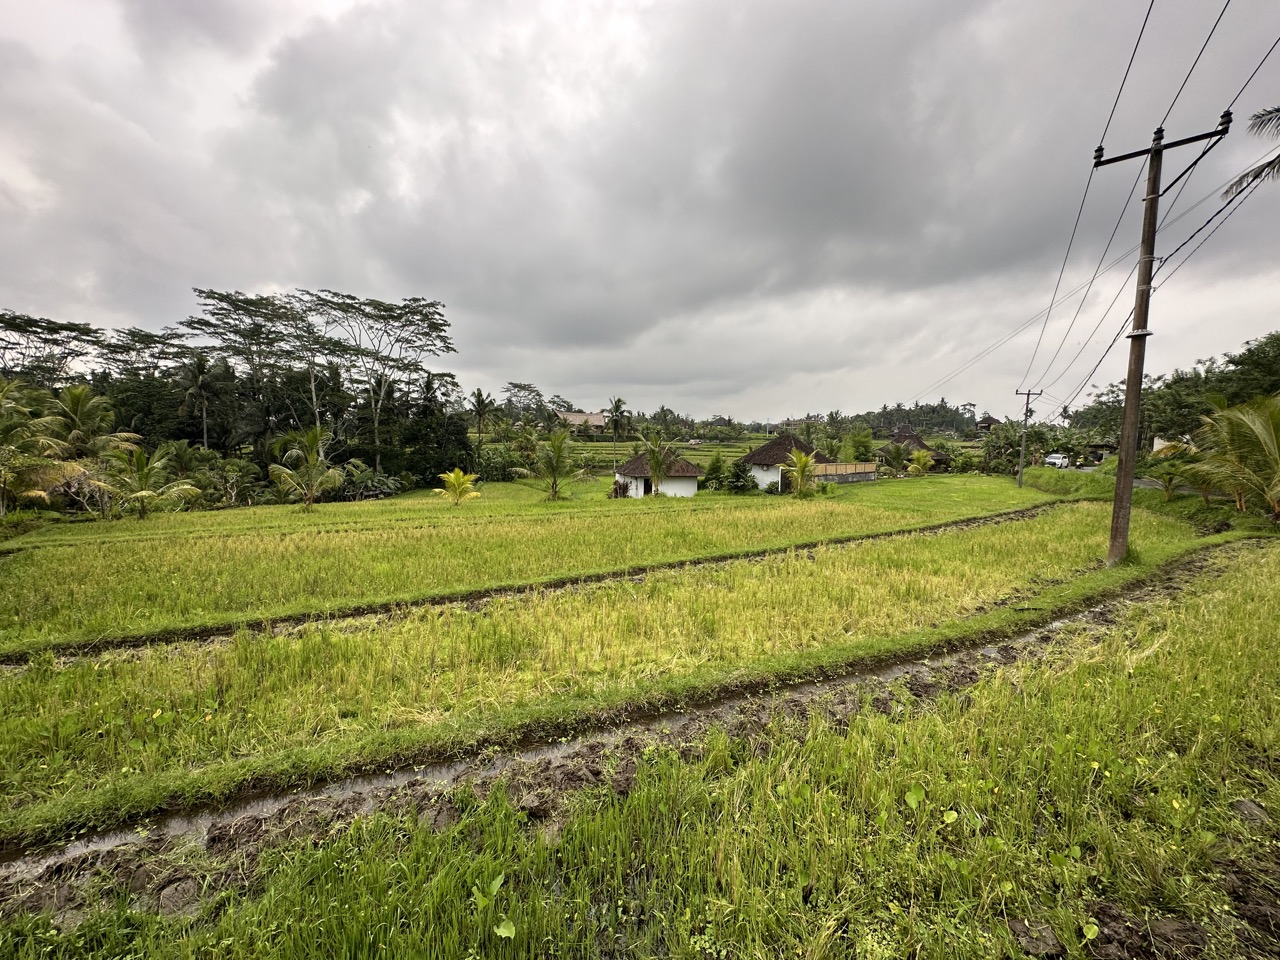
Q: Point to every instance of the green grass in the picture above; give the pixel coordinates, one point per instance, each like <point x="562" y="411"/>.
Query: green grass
<point x="68" y="585"/>
<point x="1107" y="774"/>
<point x="99" y="740"/>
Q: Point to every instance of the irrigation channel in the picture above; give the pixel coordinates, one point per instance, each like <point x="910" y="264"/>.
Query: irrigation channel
<point x="151" y="859"/>
<point x="68" y="649"/>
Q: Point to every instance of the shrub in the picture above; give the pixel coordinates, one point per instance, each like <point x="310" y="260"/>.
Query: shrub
<point x="740" y="479"/>
<point x="620" y="490"/>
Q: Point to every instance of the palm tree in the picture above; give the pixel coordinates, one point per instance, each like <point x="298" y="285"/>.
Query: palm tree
<point x="142" y="480"/>
<point x="921" y="461"/>
<point x="799" y="471"/>
<point x="303" y="471"/>
<point x="553" y="465"/>
<point x="1240" y="449"/>
<point x="83" y="424"/>
<point x="1263" y="123"/>
<point x="660" y="456"/>
<point x="201" y="382"/>
<point x="483" y="407"/>
<point x="617" y="419"/>
<point x="895" y="456"/>
<point x="26" y="443"/>
<point x="457" y="486"/>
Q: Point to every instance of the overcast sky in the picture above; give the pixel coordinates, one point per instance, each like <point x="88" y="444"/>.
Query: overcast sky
<point x="748" y="208"/>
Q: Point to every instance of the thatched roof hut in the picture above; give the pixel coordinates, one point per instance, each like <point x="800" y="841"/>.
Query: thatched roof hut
<point x="778" y="450"/>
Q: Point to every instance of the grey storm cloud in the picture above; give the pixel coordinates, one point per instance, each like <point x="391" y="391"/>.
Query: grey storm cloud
<point x="753" y="208"/>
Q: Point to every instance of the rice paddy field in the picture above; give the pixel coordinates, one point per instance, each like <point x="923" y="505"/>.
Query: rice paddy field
<point x="1108" y="793"/>
<point x="70" y="584"/>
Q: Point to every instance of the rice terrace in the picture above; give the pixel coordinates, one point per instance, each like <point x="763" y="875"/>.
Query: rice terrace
<point x="417" y="538"/>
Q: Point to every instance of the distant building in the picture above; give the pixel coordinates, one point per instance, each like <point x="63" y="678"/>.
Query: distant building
<point x="766" y="461"/>
<point x="906" y="437"/>
<point x="593" y="420"/>
<point x="681" y="481"/>
<point x="986" y="423"/>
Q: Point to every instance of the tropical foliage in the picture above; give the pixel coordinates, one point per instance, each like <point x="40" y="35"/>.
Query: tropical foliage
<point x="457" y="486"/>
<point x="303" y="472"/>
<point x="1238" y="452"/>
<point x="553" y="464"/>
<point x="799" y="472"/>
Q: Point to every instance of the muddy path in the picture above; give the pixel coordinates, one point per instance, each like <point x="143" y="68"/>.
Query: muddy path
<point x="175" y="863"/>
<point x="71" y="648"/>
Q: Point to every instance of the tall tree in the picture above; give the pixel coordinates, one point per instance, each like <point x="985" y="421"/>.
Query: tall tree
<point x="483" y="407"/>
<point x="43" y="350"/>
<point x="389" y="342"/>
<point x="252" y="331"/>
<point x="203" y="382"/>
<point x="617" y="418"/>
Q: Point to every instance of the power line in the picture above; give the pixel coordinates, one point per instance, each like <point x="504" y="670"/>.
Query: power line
<point x="1101" y="320"/>
<point x="1212" y="217"/>
<point x="1110" y="347"/>
<point x="1203" y="47"/>
<point x="1254" y="74"/>
<point x="1244" y="196"/>
<point x="1085" y="196"/>
<point x="1125" y="78"/>
<point x="987" y="351"/>
<point x="1178" y="266"/>
<point x="1001" y="341"/>
<point x="1124" y="209"/>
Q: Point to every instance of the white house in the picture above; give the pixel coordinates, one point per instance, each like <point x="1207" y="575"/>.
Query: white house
<point x="681" y="481"/>
<point x="766" y="461"/>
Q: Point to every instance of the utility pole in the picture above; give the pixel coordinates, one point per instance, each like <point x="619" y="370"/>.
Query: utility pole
<point x="1128" y="452"/>
<point x="1026" y="415"/>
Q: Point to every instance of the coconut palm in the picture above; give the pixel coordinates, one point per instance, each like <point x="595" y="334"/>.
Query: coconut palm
<point x="553" y="464"/>
<point x="483" y="407"/>
<point x="921" y="461"/>
<point x="660" y="457"/>
<point x="616" y="420"/>
<point x="28" y="467"/>
<point x="83" y="423"/>
<point x="143" y="481"/>
<point x="457" y="486"/>
<point x="800" y="473"/>
<point x="303" y="472"/>
<point x="1263" y="123"/>
<point x="202" y="382"/>
<point x="1240" y="450"/>
<point x="895" y="456"/>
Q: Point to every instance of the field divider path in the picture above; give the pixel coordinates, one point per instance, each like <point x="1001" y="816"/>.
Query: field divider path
<point x="362" y="789"/>
<point x="225" y="631"/>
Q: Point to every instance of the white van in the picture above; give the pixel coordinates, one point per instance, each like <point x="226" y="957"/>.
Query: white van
<point x="1059" y="461"/>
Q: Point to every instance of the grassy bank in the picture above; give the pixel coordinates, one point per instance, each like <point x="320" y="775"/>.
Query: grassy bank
<point x="100" y="740"/>
<point x="128" y="578"/>
<point x="1067" y="793"/>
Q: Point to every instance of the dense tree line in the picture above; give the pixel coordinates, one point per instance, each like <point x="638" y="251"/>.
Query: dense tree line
<point x="251" y="367"/>
<point x="1173" y="404"/>
<point x="225" y="386"/>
